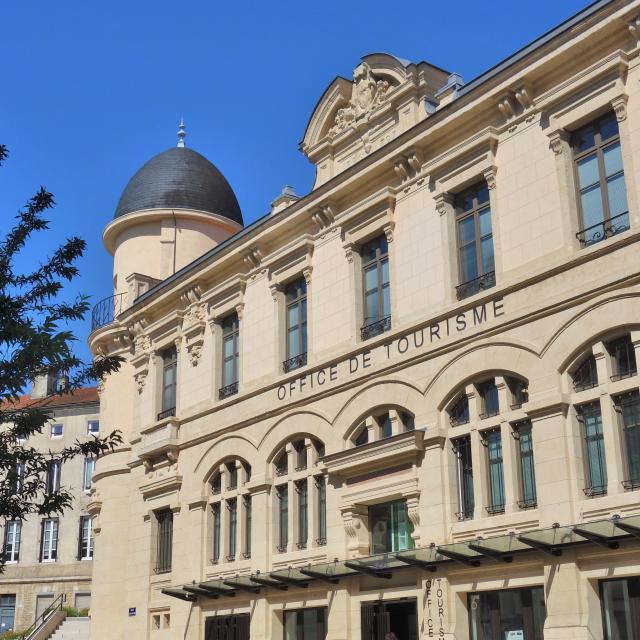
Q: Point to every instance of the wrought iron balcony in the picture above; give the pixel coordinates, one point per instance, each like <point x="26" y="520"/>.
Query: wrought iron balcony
<point x="107" y="310"/>
<point x="456" y="421"/>
<point x="294" y="363"/>
<point x="470" y="288"/>
<point x="631" y="484"/>
<point x="464" y="515"/>
<point x="603" y="230"/>
<point x="531" y="503"/>
<point x="301" y="545"/>
<point x="228" y="391"/>
<point x="592" y="492"/>
<point x="495" y="509"/>
<point x="627" y="373"/>
<point x="167" y="413"/>
<point x="375" y="328"/>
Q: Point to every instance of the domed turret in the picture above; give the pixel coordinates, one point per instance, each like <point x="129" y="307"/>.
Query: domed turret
<point x="176" y="207"/>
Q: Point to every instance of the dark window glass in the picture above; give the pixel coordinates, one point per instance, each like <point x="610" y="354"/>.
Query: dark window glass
<point x="282" y="464"/>
<point x="302" y="489"/>
<point x="232" y="470"/>
<point x="89" y="467"/>
<point x="459" y="412"/>
<point x="305" y="624"/>
<point x="7" y="612"/>
<point x="623" y="357"/>
<point x="230" y="350"/>
<point x="296" y="312"/>
<point x="628" y="407"/>
<point x="164" y="543"/>
<point x="247" y="526"/>
<point x="362" y="437"/>
<point x="528" y="497"/>
<point x="586" y="375"/>
<point x="216" y="483"/>
<point x="464" y="473"/>
<point x="282" y="495"/>
<point x="489" y="397"/>
<point x="519" y="392"/>
<point x="301" y="455"/>
<point x="216" y="531"/>
<point x="169" y="378"/>
<point x="385" y="425"/>
<point x="54" y="468"/>
<point x="594" y="455"/>
<point x="232" y="508"/>
<point x="321" y="485"/>
<point x="621" y="608"/>
<point x="408" y="421"/>
<point x="376" y="286"/>
<point x="390" y="528"/>
<point x="602" y="193"/>
<point x="493" y="442"/>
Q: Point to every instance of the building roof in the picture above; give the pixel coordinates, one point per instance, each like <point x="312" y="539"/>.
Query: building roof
<point x="86" y="395"/>
<point x="179" y="178"/>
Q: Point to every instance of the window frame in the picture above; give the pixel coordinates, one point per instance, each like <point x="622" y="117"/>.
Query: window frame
<point x="85" y="538"/>
<point x="51" y="552"/>
<point x="90" y="431"/>
<point x="321" y="487"/>
<point x="88" y="462"/>
<point x="629" y="399"/>
<point x="54" y="473"/>
<point x="298" y="290"/>
<point x="320" y="630"/>
<point x="230" y="333"/>
<point x="519" y="429"/>
<point x="302" y="491"/>
<point x="169" y="363"/>
<point x="164" y="541"/>
<point x="466" y="501"/>
<point x="382" y="322"/>
<point x="232" y="529"/>
<point x="282" y="496"/>
<point x="497" y="461"/>
<point x="583" y="411"/>
<point x="12" y="540"/>
<point x="53" y="427"/>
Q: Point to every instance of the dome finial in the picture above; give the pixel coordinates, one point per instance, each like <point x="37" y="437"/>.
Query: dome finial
<point x="182" y="134"/>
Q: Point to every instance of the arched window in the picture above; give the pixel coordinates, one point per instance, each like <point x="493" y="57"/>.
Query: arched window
<point x="299" y="496"/>
<point x="230" y="512"/>
<point x="382" y="424"/>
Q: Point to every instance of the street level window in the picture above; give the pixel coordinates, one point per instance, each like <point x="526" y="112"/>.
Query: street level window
<point x="464" y="477"/>
<point x="526" y="472"/>
<point x="87" y="475"/>
<point x="296" y="313"/>
<point x="230" y="356"/>
<point x="475" y="241"/>
<point x="7" y="612"/>
<point x="390" y="528"/>
<point x="12" y="535"/>
<point x="602" y="193"/>
<point x="49" y="540"/>
<point x="169" y="383"/>
<point x="492" y="440"/>
<point x="85" y="538"/>
<point x="305" y="624"/>
<point x="628" y="407"/>
<point x="508" y="614"/>
<point x="595" y="464"/>
<point x="54" y="469"/>
<point x="164" y="540"/>
<point x="397" y="617"/>
<point x="621" y="608"/>
<point x="623" y="358"/>
<point x="376" y="287"/>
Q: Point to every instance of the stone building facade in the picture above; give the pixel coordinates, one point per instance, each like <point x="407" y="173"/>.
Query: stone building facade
<point x="406" y="402"/>
<point x="48" y="557"/>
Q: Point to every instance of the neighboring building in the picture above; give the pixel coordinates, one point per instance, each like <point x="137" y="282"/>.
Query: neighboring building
<point x="49" y="556"/>
<point x="407" y="401"/>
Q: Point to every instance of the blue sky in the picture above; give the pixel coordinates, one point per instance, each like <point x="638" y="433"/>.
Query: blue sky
<point x="91" y="90"/>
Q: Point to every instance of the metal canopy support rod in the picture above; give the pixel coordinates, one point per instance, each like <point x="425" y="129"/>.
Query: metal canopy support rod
<point x="217" y="590"/>
<point x="414" y="562"/>
<point x="459" y="557"/>
<point x="199" y="592"/>
<point x="370" y="571"/>
<point x="180" y="594"/>
<point x="491" y="553"/>
<point x="318" y="575"/>
<point x="540" y="546"/>
<point x="287" y="580"/>
<point x="241" y="586"/>
<point x="603" y="541"/>
<point x="627" y="528"/>
<point x="268" y="582"/>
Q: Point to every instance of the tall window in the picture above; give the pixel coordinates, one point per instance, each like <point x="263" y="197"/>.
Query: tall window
<point x="621" y="608"/>
<point x="602" y="194"/>
<point x="164" y="541"/>
<point x="586" y="374"/>
<point x="464" y="473"/>
<point x="526" y="471"/>
<point x="302" y="489"/>
<point x="247" y="527"/>
<point x="49" y="540"/>
<point x="230" y="355"/>
<point x="89" y="467"/>
<point x="232" y="507"/>
<point x="489" y="397"/>
<point x="459" y="412"/>
<point x="85" y="538"/>
<point x="594" y="456"/>
<point x="169" y="383"/>
<point x="54" y="467"/>
<point x="12" y="533"/>
<point x="623" y="358"/>
<point x="296" y="301"/>
<point x="17" y="477"/>
<point x="628" y="407"/>
<point x="321" y="486"/>
<point x="493" y="442"/>
<point x="282" y="495"/>
<point x="475" y="241"/>
<point x="305" y="624"/>
<point x="390" y="528"/>
<point x="377" y="292"/>
<point x="217" y="524"/>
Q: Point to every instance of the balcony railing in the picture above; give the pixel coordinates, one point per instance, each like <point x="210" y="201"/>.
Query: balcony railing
<point x="228" y="391"/>
<point x="167" y="413"/>
<point x="471" y="287"/>
<point x="294" y="363"/>
<point x="375" y="328"/>
<point x="107" y="310"/>
<point x="603" y="230"/>
<point x="495" y="509"/>
<point x="626" y="373"/>
<point x="529" y="503"/>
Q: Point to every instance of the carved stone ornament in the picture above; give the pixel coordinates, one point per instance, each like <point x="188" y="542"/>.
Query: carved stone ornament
<point x="557" y="141"/>
<point x="195" y="351"/>
<point x="443" y="202"/>
<point x="619" y="105"/>
<point x="388" y="231"/>
<point x="367" y="93"/>
<point x="196" y="315"/>
<point x="140" y="378"/>
<point x="490" y="176"/>
<point x="142" y="345"/>
<point x="306" y="274"/>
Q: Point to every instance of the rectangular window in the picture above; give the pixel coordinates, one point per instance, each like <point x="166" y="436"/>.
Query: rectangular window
<point x="301" y="455"/>
<point x="18" y="477"/>
<point x="384" y="422"/>
<point x="164" y="541"/>
<point x="93" y="427"/>
<point x="12" y="534"/>
<point x="57" y="430"/>
<point x="489" y="397"/>
<point x="169" y="383"/>
<point x="628" y="408"/>
<point x="620" y="608"/>
<point x="230" y="355"/>
<point x="49" y="540"/>
<point x="464" y="475"/>
<point x="232" y="470"/>
<point x="526" y="471"/>
<point x="85" y="538"/>
<point x="54" y="468"/>
<point x="321" y="485"/>
<point x="376" y="287"/>
<point x="594" y="456"/>
<point x="282" y="494"/>
<point x="390" y="528"/>
<point x="303" y="513"/>
<point x="7" y="612"/>
<point x="602" y="193"/>
<point x="217" y="524"/>
<point x="623" y="356"/>
<point x="247" y="526"/>
<point x="475" y="241"/>
<point x="305" y="624"/>
<point x="296" y="313"/>
<point x="510" y="614"/>
<point x="232" y="508"/>
<point x="492" y="440"/>
<point x="89" y="467"/>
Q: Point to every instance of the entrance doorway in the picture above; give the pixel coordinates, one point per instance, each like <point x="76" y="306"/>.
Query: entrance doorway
<point x="227" y="627"/>
<point x="393" y="616"/>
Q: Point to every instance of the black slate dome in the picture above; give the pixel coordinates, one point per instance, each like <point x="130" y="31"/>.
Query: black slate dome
<point x="179" y="178"/>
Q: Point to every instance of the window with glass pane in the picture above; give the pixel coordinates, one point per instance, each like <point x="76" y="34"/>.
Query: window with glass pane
<point x="408" y="421"/>
<point x="464" y="474"/>
<point x="49" y="540"/>
<point x="217" y="524"/>
<point x="230" y="350"/>
<point x="301" y="455"/>
<point x="475" y="240"/>
<point x="385" y="425"/>
<point x="321" y="486"/>
<point x="85" y="546"/>
<point x="302" y="489"/>
<point x="296" y="301"/>
<point x="282" y="464"/>
<point x="164" y="541"/>
<point x="232" y="508"/>
<point x="17" y="478"/>
<point x="459" y="412"/>
<point x="519" y="392"/>
<point x="12" y="532"/>
<point x="621" y="608"/>
<point x="7" y="612"/>
<point x="93" y="426"/>
<point x="377" y="292"/>
<point x="89" y="467"/>
<point x="594" y="456"/>
<point x="527" y="476"/>
<point x="54" y="467"/>
<point x="628" y="407"/>
<point x="602" y="193"/>
<point x="390" y="528"/>
<point x="586" y="374"/>
<point x="489" y="397"/>
<point x="362" y="437"/>
<point x="623" y="356"/>
<point x="282" y="495"/>
<point x="216" y="483"/>
<point x="169" y="378"/>
<point x="305" y="624"/>
<point x="232" y="471"/>
<point x="246" y="501"/>
<point x="57" y="430"/>
<point x="493" y="442"/>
